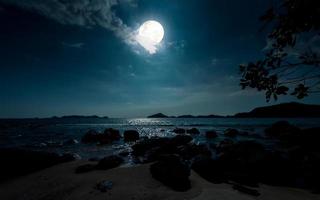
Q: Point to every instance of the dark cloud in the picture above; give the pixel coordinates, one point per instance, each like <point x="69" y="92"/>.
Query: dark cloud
<point x="87" y="13"/>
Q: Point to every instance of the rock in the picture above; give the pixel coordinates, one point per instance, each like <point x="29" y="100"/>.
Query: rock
<point x="246" y="190"/>
<point x="131" y="135"/>
<point x="211" y="134"/>
<point x="109" y="135"/>
<point x="109" y="162"/>
<point x="193" y="131"/>
<point x="230" y="132"/>
<point x="180" y="140"/>
<point x="309" y="139"/>
<point x="92" y="136"/>
<point x="152" y="148"/>
<point x="224" y="145"/>
<point x="85" y="168"/>
<point x="283" y="131"/>
<point x="104" y="186"/>
<point x="141" y="147"/>
<point x="179" y="130"/>
<point x="170" y="171"/>
<point x="191" y="150"/>
<point x="209" y="169"/>
<point x="242" y="162"/>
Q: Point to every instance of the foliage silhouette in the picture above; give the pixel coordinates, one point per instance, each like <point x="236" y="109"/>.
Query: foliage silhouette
<point x="291" y="64"/>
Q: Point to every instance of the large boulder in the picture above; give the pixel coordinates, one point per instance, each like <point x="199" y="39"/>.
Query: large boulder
<point x="231" y="132"/>
<point x="149" y="150"/>
<point x="211" y="134"/>
<point x="209" y="169"/>
<point x="172" y="172"/>
<point x="109" y="135"/>
<point x="283" y="131"/>
<point x="310" y="138"/>
<point x="109" y="162"/>
<point x="131" y="135"/>
<point x="189" y="151"/>
<point x="92" y="136"/>
<point x="193" y="131"/>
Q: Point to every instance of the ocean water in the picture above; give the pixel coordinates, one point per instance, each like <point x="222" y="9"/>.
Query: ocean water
<point x="54" y="134"/>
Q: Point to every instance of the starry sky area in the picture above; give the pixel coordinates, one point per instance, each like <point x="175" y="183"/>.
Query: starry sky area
<point x="76" y="57"/>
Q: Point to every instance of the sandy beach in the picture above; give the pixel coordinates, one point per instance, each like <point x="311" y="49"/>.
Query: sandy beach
<point x="60" y="182"/>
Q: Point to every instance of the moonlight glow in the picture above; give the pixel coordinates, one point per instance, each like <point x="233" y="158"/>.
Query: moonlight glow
<point x="150" y="34"/>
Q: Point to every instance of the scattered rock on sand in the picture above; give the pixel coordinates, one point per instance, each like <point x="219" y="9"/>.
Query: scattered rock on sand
<point x="131" y="135"/>
<point x="171" y="172"/>
<point x="109" y="162"/>
<point x="211" y="134"/>
<point x="231" y="132"/>
<point x="194" y="131"/>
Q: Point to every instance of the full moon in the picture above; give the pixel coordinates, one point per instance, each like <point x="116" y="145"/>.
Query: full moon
<point x="152" y="31"/>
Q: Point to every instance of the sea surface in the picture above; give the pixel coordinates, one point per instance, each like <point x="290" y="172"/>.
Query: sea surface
<point x="54" y="134"/>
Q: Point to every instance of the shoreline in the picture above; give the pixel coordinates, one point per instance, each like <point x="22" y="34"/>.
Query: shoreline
<point x="60" y="182"/>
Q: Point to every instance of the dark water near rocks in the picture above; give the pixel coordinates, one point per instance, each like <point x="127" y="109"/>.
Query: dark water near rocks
<point x="54" y="134"/>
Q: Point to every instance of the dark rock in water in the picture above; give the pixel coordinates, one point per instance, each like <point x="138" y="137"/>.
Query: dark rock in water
<point x="180" y="140"/>
<point x="131" y="135"/>
<point x="104" y="186"/>
<point x="230" y="132"/>
<point x="224" y="145"/>
<point x="85" y="168"/>
<point x="246" y="190"/>
<point x="179" y="130"/>
<point x="140" y="148"/>
<point x="109" y="135"/>
<point x="209" y="169"/>
<point x="191" y="150"/>
<point x="284" y="131"/>
<point x="109" y="162"/>
<point x="154" y="147"/>
<point x="170" y="171"/>
<point x="92" y="136"/>
<point x="211" y="134"/>
<point x="18" y="162"/>
<point x="193" y="131"/>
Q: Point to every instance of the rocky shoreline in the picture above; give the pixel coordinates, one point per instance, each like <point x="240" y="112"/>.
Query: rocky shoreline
<point x="246" y="165"/>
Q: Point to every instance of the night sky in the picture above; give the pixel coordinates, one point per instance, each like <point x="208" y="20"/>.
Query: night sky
<point x="77" y="57"/>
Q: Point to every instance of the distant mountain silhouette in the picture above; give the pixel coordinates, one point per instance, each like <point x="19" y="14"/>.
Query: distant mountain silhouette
<point x="200" y="116"/>
<point x="79" y="117"/>
<point x="158" y="115"/>
<point x="292" y="109"/>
